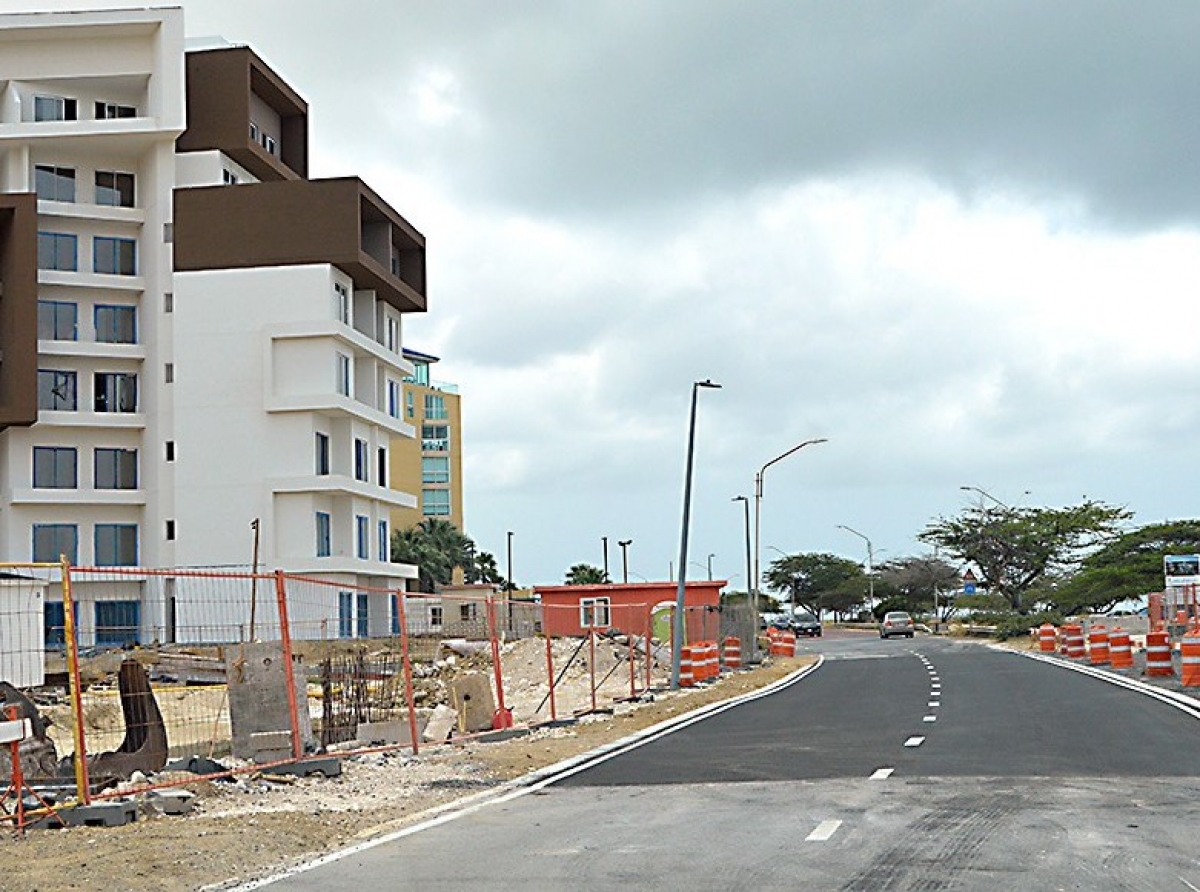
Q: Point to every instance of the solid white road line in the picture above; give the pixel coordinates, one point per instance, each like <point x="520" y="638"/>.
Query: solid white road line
<point x="882" y="774"/>
<point x="914" y="741"/>
<point x="823" y="831"/>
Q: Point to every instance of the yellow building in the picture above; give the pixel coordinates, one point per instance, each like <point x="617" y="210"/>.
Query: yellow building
<point x="430" y="465"/>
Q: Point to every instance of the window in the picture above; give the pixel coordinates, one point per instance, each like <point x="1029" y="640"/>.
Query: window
<point x="53" y="540"/>
<point x="115" y="324"/>
<point x="253" y="132"/>
<point x="435" y="502"/>
<point x="229" y="178"/>
<point x="268" y="143"/>
<point x="170" y="531"/>
<point x="54" y="183"/>
<point x="115" y="468"/>
<point x="467" y="613"/>
<point x="362" y="537"/>
<point x="58" y="320"/>
<point x="382" y="468"/>
<point x="364" y="615"/>
<point x="341" y="296"/>
<point x="435" y="406"/>
<point x="114" y="189"/>
<point x="114" y="256"/>
<point x="343" y="374"/>
<point x="56" y="390"/>
<point x="594" y="613"/>
<point x="409" y="409"/>
<point x="55" y="623"/>
<point x="58" y="251"/>
<point x="54" y="108"/>
<point x="116" y="545"/>
<point x="115" y="392"/>
<point x="384" y="542"/>
<point x="361" y="459"/>
<point x="170" y="450"/>
<point x="393" y="399"/>
<point x="54" y="467"/>
<point x="324" y="535"/>
<point x="117" y="623"/>
<point x="168" y="301"/>
<point x="322" y="454"/>
<point x="435" y="615"/>
<point x="435" y="469"/>
<point x="392" y="334"/>
<point x="435" y="438"/>
<point x="345" y="614"/>
<point x="168" y="373"/>
<point x="108" y="111"/>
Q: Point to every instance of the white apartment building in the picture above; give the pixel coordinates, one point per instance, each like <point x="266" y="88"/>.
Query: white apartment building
<point x="200" y="347"/>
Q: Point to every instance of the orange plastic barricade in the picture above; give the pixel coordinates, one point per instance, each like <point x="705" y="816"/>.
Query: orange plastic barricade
<point x="1046" y="636"/>
<point x="1062" y="640"/>
<point x="686" y="678"/>
<point x="1098" y="645"/>
<point x="700" y="661"/>
<point x="733" y="653"/>
<point x="789" y="643"/>
<point x="1189" y="652"/>
<point x="1158" y="654"/>
<point x="1075" y="647"/>
<point x="714" y="659"/>
<point x="1120" y="653"/>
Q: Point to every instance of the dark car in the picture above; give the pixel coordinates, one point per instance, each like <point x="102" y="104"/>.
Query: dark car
<point x="806" y="624"/>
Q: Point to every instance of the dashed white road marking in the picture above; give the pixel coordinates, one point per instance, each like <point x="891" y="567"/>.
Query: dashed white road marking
<point x="882" y="773"/>
<point x="937" y="685"/>
<point x="914" y="741"/>
<point x="933" y="704"/>
<point x="823" y="831"/>
<point x="929" y="718"/>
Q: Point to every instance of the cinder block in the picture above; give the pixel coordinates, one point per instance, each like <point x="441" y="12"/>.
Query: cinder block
<point x="384" y="733"/>
<point x="101" y="814"/>
<point x="472" y="698"/>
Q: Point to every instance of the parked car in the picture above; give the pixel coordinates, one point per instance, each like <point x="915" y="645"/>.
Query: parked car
<point x="896" y="622"/>
<point x="806" y="624"/>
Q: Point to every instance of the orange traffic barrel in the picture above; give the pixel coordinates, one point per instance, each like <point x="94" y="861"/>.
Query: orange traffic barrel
<point x="1062" y="640"/>
<point x="1189" y="652"/>
<point x="1120" y="653"/>
<point x="1158" y="654"/>
<point x="703" y="661"/>
<point x="686" y="678"/>
<point x="1075" y="647"/>
<point x="1098" y="645"/>
<point x="733" y="653"/>
<point x="789" y="643"/>
<point x="1046" y="638"/>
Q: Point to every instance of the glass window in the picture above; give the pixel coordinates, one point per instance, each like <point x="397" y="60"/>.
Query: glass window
<point x="435" y="469"/>
<point x="364" y="615"/>
<point x="116" y="545"/>
<point x="594" y="613"/>
<point x="58" y="320"/>
<point x="55" y="623"/>
<point x="54" y="467"/>
<point x="322" y="454"/>
<point x="324" y="534"/>
<point x="392" y="334"/>
<point x="343" y="374"/>
<point x="117" y="623"/>
<point x="435" y="438"/>
<point x="341" y="302"/>
<point x="107" y="111"/>
<point x="115" y="392"/>
<point x="393" y="399"/>
<point x="345" y="614"/>
<point x="362" y="537"/>
<point x="384" y="542"/>
<point x="52" y="540"/>
<point x="114" y="256"/>
<point x="54" y="108"/>
<point x="409" y="408"/>
<point x="381" y="469"/>
<point x="54" y="183"/>
<point x="56" y="390"/>
<point x="116" y="468"/>
<point x="435" y="502"/>
<point x="361" y="460"/>
<point x="114" y="189"/>
<point x="59" y="251"/>
<point x="116" y="325"/>
<point x="435" y="406"/>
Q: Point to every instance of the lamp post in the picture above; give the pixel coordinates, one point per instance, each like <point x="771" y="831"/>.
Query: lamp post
<point x="749" y="581"/>
<point x="986" y="495"/>
<point x="758" y="493"/>
<point x="604" y="539"/>
<point x="510" y="577"/>
<point x="677" y="644"/>
<point x="624" y="543"/>
<point x="870" y="564"/>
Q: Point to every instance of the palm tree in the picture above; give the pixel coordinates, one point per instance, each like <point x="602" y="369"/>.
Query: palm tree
<point x="436" y="547"/>
<point x="586" y="574"/>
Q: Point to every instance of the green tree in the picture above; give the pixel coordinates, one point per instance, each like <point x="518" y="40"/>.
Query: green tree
<point x="915" y="580"/>
<point x="1127" y="567"/>
<point x="801" y="579"/>
<point x="485" y="570"/>
<point x="586" y="574"/>
<point x="844" y="599"/>
<point x="1015" y="548"/>
<point x="436" y="547"/>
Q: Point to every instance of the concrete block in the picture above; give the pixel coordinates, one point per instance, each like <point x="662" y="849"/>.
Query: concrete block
<point x="471" y="696"/>
<point x="101" y="814"/>
<point x="440" y="724"/>
<point x="168" y="802"/>
<point x="385" y="733"/>
<point x="258" y="700"/>
<point x="328" y="766"/>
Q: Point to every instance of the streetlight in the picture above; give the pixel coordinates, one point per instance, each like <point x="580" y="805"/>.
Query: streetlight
<point x="870" y="564"/>
<point x="604" y="539"/>
<point x="677" y="649"/>
<point x="625" y="543"/>
<point x="510" y="578"/>
<point x="758" y="492"/>
<point x="986" y="495"/>
<point x="754" y="620"/>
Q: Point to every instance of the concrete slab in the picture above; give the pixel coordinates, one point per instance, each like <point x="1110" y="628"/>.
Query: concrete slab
<point x="328" y="766"/>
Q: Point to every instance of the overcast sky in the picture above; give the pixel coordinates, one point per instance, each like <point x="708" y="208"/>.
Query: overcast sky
<point x="959" y="240"/>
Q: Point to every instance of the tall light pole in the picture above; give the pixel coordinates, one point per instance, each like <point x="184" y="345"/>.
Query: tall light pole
<point x="604" y="539"/>
<point x="677" y="644"/>
<point x="749" y="582"/>
<point x="986" y="495"/>
<point x="510" y="577"/>
<point x="870" y="564"/>
<point x="758" y="493"/>
<point x="624" y="543"/>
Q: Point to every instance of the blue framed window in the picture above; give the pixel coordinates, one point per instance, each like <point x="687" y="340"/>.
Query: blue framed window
<point x="384" y="544"/>
<point x="115" y="392"/>
<point x="322" y="454"/>
<point x="362" y="537"/>
<point x="114" y="256"/>
<point x="52" y="540"/>
<point x="362" y="460"/>
<point x="394" y="612"/>
<point x="345" y="614"/>
<point x="115" y="468"/>
<point x="58" y="320"/>
<point x="116" y="324"/>
<point x="363" y="624"/>
<point x="58" y="251"/>
<point x="54" y="623"/>
<point x="116" y="545"/>
<point x="55" y="467"/>
<point x="58" y="390"/>
<point x="324" y="534"/>
<point x="117" y="623"/>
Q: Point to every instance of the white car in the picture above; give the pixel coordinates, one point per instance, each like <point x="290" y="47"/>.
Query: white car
<point x="896" y="622"/>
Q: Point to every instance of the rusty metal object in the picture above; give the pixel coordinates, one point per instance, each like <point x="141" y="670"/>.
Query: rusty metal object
<point x="39" y="757"/>
<point x="144" y="748"/>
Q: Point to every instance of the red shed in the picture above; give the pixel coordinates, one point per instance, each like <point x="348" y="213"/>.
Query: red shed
<point x="571" y="609"/>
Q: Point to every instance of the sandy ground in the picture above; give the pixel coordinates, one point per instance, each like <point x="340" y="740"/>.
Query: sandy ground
<point x="253" y="826"/>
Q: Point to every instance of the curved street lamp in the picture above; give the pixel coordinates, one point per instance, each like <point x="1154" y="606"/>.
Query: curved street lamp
<point x="677" y="644"/>
<point x="624" y="545"/>
<point x="870" y="564"/>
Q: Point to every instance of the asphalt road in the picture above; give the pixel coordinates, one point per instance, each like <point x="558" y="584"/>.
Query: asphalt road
<point x="922" y="765"/>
